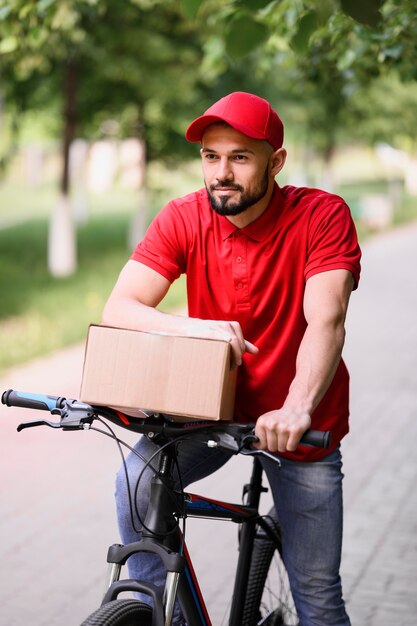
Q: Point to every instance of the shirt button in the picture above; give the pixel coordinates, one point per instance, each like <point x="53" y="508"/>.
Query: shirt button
<point x="239" y="285"/>
<point x="238" y="259"/>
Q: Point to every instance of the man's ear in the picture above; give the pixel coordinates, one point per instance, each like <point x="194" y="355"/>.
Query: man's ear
<point x="277" y="161"/>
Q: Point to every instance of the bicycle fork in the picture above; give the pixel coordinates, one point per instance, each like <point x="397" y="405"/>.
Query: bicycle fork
<point x="158" y="537"/>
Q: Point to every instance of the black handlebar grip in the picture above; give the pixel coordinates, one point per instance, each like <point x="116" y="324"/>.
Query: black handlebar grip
<point x="31" y="400"/>
<point x="317" y="438"/>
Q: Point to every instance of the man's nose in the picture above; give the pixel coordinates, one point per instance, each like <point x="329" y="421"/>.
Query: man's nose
<point x="224" y="170"/>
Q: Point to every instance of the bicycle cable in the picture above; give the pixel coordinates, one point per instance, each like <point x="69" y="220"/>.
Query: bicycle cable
<point x="147" y="463"/>
<point x="133" y="503"/>
<point x="119" y="442"/>
<point x="184" y="517"/>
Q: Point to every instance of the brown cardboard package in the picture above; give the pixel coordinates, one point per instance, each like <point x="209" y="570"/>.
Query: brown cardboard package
<point x="181" y="376"/>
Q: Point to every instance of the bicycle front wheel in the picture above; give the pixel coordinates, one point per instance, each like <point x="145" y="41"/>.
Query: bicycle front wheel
<point x="121" y="613"/>
<point x="268" y="599"/>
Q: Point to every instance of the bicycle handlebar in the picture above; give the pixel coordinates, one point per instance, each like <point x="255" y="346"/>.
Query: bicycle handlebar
<point x="317" y="438"/>
<point x="75" y="414"/>
<point x="32" y="400"/>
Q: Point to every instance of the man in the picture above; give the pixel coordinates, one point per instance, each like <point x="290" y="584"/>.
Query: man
<point x="270" y="269"/>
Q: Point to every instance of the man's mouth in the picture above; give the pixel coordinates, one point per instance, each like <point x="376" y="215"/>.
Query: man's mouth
<point x="224" y="188"/>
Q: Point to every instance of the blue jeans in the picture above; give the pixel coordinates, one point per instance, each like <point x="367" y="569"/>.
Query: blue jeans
<point x="308" y="499"/>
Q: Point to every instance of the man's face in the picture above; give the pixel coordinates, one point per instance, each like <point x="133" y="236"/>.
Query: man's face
<point x="236" y="169"/>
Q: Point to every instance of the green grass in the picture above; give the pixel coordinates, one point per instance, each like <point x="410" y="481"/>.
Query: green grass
<point x="39" y="313"/>
<point x="19" y="203"/>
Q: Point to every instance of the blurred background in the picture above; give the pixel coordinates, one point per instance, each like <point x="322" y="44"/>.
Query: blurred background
<point x="95" y="96"/>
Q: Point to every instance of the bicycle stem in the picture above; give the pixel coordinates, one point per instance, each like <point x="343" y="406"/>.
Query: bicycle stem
<point x="159" y="520"/>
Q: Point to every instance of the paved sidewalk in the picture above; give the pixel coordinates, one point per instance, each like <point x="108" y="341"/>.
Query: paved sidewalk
<point x="380" y="556"/>
<point x="56" y="488"/>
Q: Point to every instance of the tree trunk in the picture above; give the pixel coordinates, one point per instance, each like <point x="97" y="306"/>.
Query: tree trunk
<point x="70" y="86"/>
<point x="327" y="178"/>
<point x="62" y="239"/>
<point x="140" y="218"/>
<point x="411" y="175"/>
<point x="78" y="177"/>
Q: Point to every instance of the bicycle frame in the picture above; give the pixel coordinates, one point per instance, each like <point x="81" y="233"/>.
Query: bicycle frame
<point x="181" y="579"/>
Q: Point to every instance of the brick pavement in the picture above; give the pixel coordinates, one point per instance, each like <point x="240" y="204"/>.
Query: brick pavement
<point x="56" y="488"/>
<point x="380" y="556"/>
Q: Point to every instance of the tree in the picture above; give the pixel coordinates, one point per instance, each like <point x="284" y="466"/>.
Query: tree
<point x="386" y="113"/>
<point x="324" y="52"/>
<point x="97" y="58"/>
<point x="383" y="31"/>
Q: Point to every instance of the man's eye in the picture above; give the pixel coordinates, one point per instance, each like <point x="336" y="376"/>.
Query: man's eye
<point x="211" y="157"/>
<point x="240" y="157"/>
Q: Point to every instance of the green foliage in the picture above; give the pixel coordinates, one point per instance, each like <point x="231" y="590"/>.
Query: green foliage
<point x="363" y="12"/>
<point x="243" y="35"/>
<point x="361" y="38"/>
<point x="318" y="55"/>
<point x="386" y="112"/>
<point x="190" y="8"/>
<point x="135" y="60"/>
<point x="306" y="26"/>
<point x="151" y="66"/>
<point x="254" y="5"/>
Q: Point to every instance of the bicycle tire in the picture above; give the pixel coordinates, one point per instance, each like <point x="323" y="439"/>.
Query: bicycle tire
<point x="121" y="613"/>
<point x="268" y="599"/>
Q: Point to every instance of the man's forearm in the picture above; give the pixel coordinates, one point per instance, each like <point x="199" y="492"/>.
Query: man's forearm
<point x="128" y="313"/>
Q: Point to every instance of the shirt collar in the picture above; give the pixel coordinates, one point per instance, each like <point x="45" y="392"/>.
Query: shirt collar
<point x="262" y="226"/>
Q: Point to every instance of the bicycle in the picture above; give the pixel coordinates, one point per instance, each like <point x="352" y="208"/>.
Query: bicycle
<point x="261" y="594"/>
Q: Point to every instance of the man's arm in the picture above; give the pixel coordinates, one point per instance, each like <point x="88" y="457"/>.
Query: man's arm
<point x="326" y="300"/>
<point x="133" y="301"/>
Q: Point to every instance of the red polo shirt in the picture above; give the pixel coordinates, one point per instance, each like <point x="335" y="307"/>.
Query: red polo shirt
<point x="256" y="275"/>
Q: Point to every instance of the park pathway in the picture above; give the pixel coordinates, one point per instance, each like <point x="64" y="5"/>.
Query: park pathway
<point x="56" y="489"/>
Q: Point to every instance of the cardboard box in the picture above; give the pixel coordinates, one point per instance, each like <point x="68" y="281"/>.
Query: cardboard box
<point x="181" y="376"/>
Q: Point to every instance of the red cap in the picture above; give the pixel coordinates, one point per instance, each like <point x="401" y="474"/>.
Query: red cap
<point x="251" y="115"/>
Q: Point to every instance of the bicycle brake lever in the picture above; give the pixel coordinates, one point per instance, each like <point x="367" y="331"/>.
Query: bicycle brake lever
<point x="73" y="417"/>
<point x="38" y="423"/>
<point x="254" y="452"/>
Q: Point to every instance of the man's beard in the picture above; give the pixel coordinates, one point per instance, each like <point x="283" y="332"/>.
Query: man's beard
<point x="225" y="206"/>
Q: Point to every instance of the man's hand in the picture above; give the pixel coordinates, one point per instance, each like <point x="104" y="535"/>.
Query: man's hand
<point x="228" y="331"/>
<point x="281" y="430"/>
